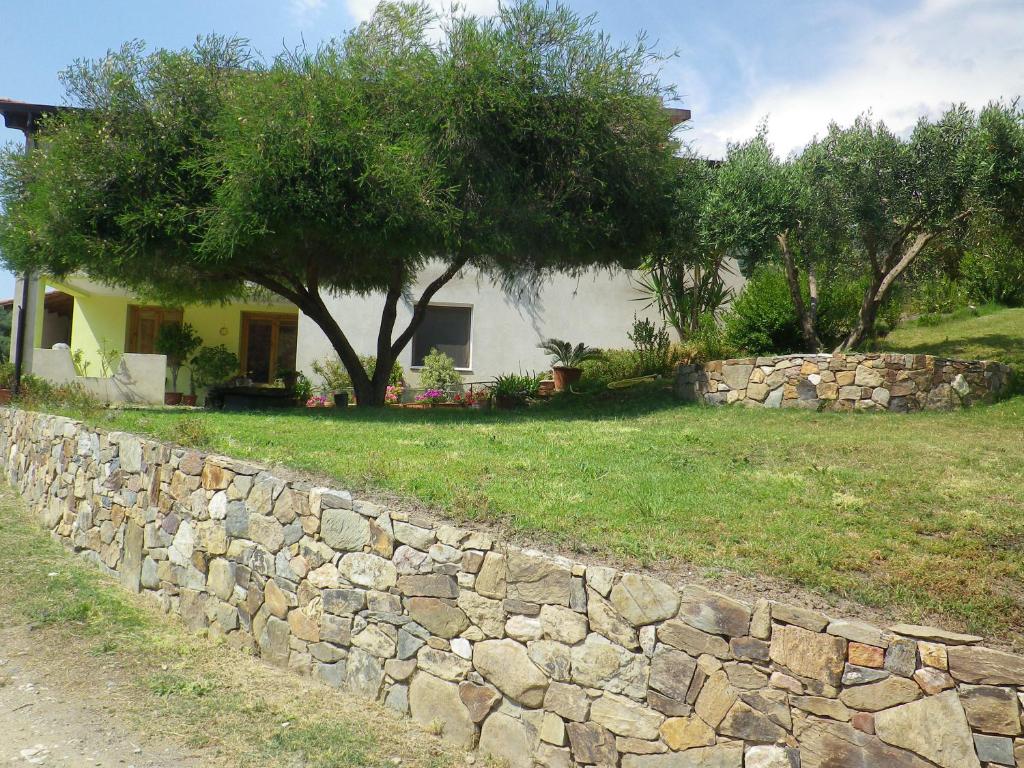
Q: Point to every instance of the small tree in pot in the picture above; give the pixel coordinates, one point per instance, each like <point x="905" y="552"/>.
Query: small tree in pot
<point x="566" y="360"/>
<point x="177" y="341"/>
<point x="212" y="366"/>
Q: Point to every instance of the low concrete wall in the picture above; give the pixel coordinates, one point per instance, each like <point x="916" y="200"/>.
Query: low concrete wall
<point x="138" y="379"/>
<point x="869" y="381"/>
<point x="536" y="660"/>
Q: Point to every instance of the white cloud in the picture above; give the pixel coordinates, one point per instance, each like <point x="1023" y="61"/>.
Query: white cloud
<point x="306" y="10"/>
<point x="900" y="66"/>
<point x="361" y="10"/>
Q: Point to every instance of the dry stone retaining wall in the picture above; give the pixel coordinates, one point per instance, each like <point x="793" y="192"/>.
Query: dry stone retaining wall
<point x="870" y="381"/>
<point x="538" y="660"/>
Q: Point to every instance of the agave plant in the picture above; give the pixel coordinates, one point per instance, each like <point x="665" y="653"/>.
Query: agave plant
<point x="565" y="355"/>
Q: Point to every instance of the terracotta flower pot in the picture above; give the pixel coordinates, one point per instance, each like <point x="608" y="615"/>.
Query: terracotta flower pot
<point x="172" y="398"/>
<point x="188" y="399"/>
<point x="565" y="377"/>
<point x="546" y="388"/>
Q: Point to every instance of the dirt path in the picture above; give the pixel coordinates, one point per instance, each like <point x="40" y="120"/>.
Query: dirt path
<point x="59" y="711"/>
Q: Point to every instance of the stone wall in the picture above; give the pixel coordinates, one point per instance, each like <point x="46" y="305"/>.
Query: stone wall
<point x="840" y="382"/>
<point x="537" y="660"/>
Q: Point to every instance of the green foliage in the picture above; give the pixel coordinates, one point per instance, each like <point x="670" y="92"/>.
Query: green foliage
<point x="937" y="295"/>
<point x="336" y="379"/>
<point x="395" y="378"/>
<point x="439" y="372"/>
<point x="6" y="375"/>
<point x="516" y="388"/>
<point x="79" y="362"/>
<point x="993" y="272"/>
<point x="564" y="354"/>
<point x="684" y="277"/>
<point x="213" y="365"/>
<point x="110" y="358"/>
<point x="524" y="143"/>
<point x="651" y="344"/>
<point x="303" y="388"/>
<point x="708" y="342"/>
<point x="762" y="319"/>
<point x="6" y="318"/>
<point x="333" y="374"/>
<point x="177" y="341"/>
<point x="191" y="431"/>
<point x="613" y="365"/>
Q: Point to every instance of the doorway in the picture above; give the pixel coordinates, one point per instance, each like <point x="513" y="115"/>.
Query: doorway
<point x="268" y="345"/>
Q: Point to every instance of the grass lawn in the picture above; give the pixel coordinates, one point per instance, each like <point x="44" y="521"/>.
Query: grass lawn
<point x="995" y="334"/>
<point x="239" y="711"/>
<point x="921" y="513"/>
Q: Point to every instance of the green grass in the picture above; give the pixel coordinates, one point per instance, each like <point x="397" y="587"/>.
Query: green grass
<point x="991" y="334"/>
<point x="214" y="698"/>
<point x="921" y="513"/>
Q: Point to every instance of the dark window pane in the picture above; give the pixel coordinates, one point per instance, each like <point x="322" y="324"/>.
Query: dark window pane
<point x="258" y="351"/>
<point x="446" y="329"/>
<point x="287" y="335"/>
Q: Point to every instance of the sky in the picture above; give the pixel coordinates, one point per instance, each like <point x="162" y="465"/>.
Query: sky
<point x="795" y="65"/>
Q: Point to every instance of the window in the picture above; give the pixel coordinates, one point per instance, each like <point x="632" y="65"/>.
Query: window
<point x="268" y="345"/>
<point x="144" y="324"/>
<point x="447" y="329"/>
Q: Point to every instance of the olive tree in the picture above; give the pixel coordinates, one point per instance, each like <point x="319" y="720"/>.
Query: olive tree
<point x="518" y="145"/>
<point x="866" y="201"/>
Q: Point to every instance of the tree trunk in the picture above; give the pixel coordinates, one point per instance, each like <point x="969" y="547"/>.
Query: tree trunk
<point x="881" y="283"/>
<point x="369" y="391"/>
<point x="807" y="317"/>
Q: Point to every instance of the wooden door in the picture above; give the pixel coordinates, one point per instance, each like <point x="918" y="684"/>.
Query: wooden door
<point x="268" y="345"/>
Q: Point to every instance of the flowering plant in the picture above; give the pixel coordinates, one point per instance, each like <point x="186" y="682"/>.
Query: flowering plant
<point x="317" y="401"/>
<point x="470" y="398"/>
<point x="393" y="394"/>
<point x="431" y="396"/>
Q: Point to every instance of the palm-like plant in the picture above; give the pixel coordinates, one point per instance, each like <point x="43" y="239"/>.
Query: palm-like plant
<point x="565" y="355"/>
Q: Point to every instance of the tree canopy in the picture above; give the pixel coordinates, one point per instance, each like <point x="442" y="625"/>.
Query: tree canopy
<point x="520" y="144"/>
<point x="864" y="201"/>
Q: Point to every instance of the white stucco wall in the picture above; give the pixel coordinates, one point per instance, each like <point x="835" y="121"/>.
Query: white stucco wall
<point x="597" y="309"/>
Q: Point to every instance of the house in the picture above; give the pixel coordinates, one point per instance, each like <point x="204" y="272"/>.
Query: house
<point x="484" y="328"/>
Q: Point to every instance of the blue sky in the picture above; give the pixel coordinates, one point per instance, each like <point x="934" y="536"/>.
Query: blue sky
<point x="795" y="62"/>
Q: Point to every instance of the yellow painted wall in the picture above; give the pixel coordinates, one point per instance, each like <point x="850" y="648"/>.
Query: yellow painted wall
<point x="97" y="318"/>
<point x="98" y="322"/>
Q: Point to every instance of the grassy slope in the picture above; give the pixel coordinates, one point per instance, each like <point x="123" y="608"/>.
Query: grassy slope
<point x="997" y="335"/>
<point x="217" y="698"/>
<point x="921" y="512"/>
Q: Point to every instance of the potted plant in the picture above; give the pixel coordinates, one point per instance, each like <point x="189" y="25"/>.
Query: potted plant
<point x="211" y="367"/>
<point x="177" y="341"/>
<point x="514" y="390"/>
<point x="431" y="397"/>
<point x="566" y="360"/>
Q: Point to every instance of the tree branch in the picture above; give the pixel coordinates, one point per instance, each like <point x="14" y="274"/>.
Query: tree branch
<point x="421" y="305"/>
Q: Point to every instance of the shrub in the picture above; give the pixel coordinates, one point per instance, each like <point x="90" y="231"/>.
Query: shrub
<point x="213" y="365"/>
<point x="762" y="318"/>
<point x="303" y="388"/>
<point x="439" y="372"/>
<point x="6" y="375"/>
<point x="613" y="365"/>
<point x="938" y="295"/>
<point x="994" y="275"/>
<point x="336" y="378"/>
<point x="651" y="346"/>
<point x="177" y="341"/>
<point x="708" y="342"/>
<point x="516" y="388"/>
